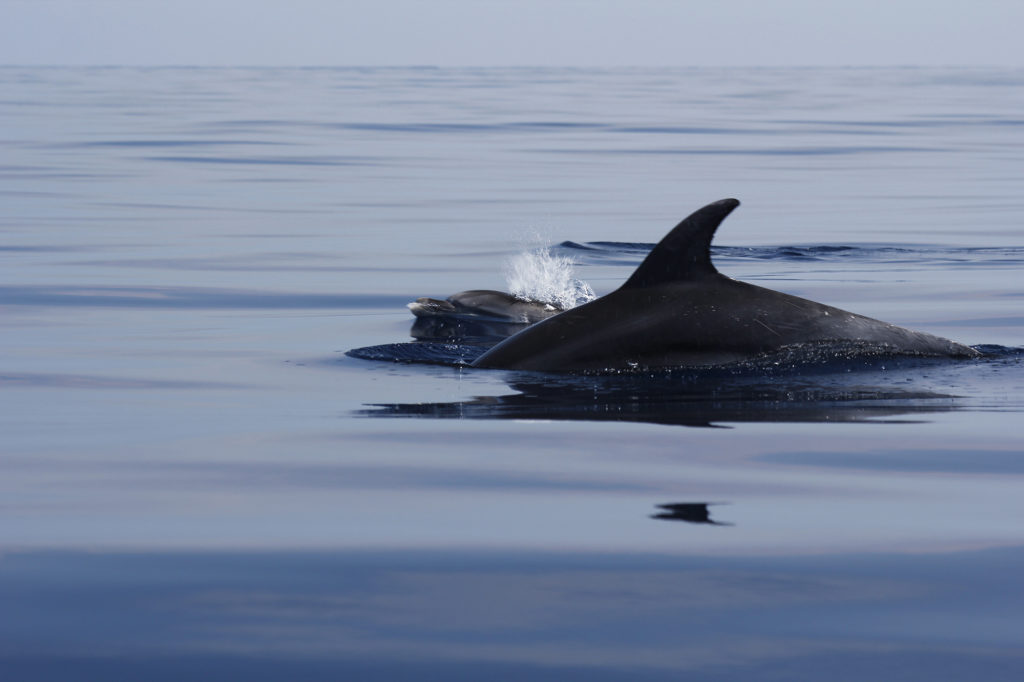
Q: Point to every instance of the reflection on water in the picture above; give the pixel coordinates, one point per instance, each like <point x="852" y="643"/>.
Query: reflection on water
<point x="690" y="512"/>
<point x="701" y="399"/>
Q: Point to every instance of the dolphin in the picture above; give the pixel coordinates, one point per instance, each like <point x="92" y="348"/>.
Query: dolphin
<point x="677" y="310"/>
<point x="478" y="316"/>
<point x="484" y="304"/>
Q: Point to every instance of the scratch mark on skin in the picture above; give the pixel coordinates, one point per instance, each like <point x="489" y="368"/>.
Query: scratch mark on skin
<point x="767" y="327"/>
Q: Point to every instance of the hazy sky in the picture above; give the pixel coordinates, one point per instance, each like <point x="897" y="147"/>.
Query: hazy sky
<point x="513" y="32"/>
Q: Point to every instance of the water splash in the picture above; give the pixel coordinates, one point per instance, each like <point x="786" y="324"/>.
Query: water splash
<point x="538" y="275"/>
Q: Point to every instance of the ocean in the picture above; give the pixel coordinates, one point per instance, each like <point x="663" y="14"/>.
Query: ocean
<point x="200" y="481"/>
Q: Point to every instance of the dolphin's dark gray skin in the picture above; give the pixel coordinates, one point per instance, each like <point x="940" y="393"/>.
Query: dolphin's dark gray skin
<point x="677" y="310"/>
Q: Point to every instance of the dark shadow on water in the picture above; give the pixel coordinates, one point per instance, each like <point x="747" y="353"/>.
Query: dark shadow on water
<point x="698" y="398"/>
<point x="689" y="512"/>
<point x="839" y="383"/>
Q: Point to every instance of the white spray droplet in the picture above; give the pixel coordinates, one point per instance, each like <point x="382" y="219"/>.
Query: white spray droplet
<point x="539" y="276"/>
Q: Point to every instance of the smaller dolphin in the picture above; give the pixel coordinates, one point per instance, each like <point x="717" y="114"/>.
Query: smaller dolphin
<point x="484" y="304"/>
<point x="677" y="310"/>
<point x="477" y="317"/>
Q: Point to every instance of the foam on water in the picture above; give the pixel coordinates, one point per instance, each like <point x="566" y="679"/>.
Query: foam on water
<point x="538" y="275"/>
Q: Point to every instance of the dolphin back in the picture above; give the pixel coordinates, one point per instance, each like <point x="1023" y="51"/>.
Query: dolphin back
<point x="677" y="310"/>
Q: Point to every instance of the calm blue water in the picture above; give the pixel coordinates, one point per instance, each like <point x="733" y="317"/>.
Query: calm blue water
<point x="198" y="482"/>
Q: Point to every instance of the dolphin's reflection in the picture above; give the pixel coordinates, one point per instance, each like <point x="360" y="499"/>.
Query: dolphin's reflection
<point x="690" y="512"/>
<point x="706" y="399"/>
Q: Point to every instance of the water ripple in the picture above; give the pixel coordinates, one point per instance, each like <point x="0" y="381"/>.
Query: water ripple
<point x="188" y="298"/>
<point x="631" y="253"/>
<point x="269" y="160"/>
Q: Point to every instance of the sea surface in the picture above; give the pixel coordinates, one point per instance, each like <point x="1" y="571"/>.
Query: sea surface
<point x="199" y="483"/>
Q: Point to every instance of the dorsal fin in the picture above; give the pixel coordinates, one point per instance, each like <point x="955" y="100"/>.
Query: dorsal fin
<point x="685" y="252"/>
